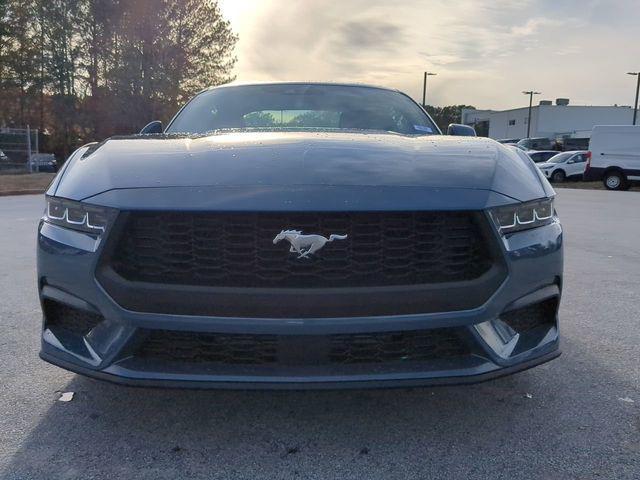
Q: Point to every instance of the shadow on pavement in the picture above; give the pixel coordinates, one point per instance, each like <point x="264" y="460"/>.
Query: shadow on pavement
<point x="476" y="431"/>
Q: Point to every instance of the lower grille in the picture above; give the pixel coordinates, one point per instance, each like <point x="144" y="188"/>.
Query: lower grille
<point x="412" y="346"/>
<point x="337" y="349"/>
<point x="59" y="316"/>
<point x="193" y="347"/>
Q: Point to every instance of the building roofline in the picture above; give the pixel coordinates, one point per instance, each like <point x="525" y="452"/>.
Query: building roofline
<point x="557" y="106"/>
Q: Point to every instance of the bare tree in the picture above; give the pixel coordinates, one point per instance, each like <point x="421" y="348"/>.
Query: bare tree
<point x="87" y="69"/>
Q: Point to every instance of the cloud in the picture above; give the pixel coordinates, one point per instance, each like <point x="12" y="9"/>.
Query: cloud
<point x="533" y="25"/>
<point x="370" y="33"/>
<point x="485" y="52"/>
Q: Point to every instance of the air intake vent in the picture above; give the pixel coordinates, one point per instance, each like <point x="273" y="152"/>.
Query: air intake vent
<point x="529" y="318"/>
<point x="62" y="317"/>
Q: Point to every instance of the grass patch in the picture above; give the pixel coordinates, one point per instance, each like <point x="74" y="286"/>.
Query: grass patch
<point x="25" y="183"/>
<point x="581" y="185"/>
<point x="591" y="185"/>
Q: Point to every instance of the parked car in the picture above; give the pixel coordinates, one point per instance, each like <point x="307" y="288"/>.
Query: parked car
<point x="565" y="165"/>
<point x="520" y="152"/>
<point x="574" y="144"/>
<point x="615" y="156"/>
<point x="3" y="157"/>
<point x="43" y="162"/>
<point x="341" y="242"/>
<point x="537" y="143"/>
<point x="541" y="156"/>
<point x="515" y="145"/>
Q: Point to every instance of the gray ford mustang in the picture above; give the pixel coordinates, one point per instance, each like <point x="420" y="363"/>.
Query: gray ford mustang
<point x="299" y="235"/>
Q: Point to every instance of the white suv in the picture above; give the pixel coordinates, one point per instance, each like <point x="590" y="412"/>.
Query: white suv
<point x="564" y="165"/>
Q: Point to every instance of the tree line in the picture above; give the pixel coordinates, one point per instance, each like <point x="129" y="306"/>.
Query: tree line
<point x="83" y="70"/>
<point x="443" y="116"/>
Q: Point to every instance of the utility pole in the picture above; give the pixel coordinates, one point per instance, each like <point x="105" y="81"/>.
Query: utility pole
<point x="531" y="93"/>
<point x="635" y="108"/>
<point x="424" y="88"/>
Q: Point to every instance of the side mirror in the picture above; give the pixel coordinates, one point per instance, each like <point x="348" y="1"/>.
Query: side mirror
<point x="460" y="130"/>
<point x="570" y="161"/>
<point x="151" y="128"/>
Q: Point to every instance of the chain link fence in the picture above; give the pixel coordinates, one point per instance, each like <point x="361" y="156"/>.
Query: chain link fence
<point x="19" y="150"/>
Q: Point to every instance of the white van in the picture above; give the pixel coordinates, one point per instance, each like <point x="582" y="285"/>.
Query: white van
<point x="615" y="156"/>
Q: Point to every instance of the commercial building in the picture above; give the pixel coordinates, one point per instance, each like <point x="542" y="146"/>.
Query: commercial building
<point x="547" y="120"/>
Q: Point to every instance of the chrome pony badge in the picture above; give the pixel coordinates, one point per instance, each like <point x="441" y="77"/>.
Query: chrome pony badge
<point x="305" y="245"/>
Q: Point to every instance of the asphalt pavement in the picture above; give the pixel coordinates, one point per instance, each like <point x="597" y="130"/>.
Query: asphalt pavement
<point x="577" y="417"/>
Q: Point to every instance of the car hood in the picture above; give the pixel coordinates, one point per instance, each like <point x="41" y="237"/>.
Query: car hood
<point x="299" y="159"/>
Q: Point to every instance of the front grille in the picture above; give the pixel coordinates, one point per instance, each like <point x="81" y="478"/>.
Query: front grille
<point x="237" y="249"/>
<point x="61" y="317"/>
<point x="301" y="350"/>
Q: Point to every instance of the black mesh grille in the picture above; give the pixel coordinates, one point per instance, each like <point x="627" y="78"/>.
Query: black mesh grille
<point x="339" y="349"/>
<point x="237" y="249"/>
<point x="209" y="348"/>
<point x="414" y="346"/>
<point x="59" y="316"/>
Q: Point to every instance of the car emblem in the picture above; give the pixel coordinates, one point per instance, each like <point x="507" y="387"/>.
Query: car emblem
<point x="305" y="245"/>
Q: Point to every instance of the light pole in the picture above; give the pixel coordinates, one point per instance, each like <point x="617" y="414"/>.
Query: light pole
<point x="424" y="88"/>
<point x="531" y="93"/>
<point x="635" y="108"/>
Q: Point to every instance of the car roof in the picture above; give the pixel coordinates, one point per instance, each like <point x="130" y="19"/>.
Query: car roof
<point x="571" y="151"/>
<point x="334" y="84"/>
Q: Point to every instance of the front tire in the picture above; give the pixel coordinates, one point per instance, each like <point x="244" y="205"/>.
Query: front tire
<point x="615" y="180"/>
<point x="558" y="176"/>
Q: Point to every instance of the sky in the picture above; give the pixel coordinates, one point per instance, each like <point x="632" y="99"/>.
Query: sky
<point x="485" y="53"/>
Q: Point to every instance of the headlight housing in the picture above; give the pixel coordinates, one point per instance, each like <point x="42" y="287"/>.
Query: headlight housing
<point x="79" y="216"/>
<point x="523" y="216"/>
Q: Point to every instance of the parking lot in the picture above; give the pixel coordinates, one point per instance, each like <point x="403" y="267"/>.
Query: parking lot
<point x="576" y="417"/>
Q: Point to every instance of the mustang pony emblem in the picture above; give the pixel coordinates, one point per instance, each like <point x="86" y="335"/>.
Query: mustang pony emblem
<point x="305" y="245"/>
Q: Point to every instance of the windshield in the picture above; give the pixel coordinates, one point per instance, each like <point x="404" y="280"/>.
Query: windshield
<point x="560" y="158"/>
<point x="300" y="107"/>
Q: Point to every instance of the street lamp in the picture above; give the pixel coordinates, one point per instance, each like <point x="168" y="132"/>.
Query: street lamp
<point x="424" y="88"/>
<point x="635" y="108"/>
<point x="531" y="93"/>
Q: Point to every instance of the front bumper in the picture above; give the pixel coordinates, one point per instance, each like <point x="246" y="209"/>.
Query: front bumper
<point x="123" y="377"/>
<point x="546" y="172"/>
<point x="110" y="349"/>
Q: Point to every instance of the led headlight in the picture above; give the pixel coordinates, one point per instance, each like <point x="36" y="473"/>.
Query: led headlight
<point x="78" y="216"/>
<point x="523" y="216"/>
